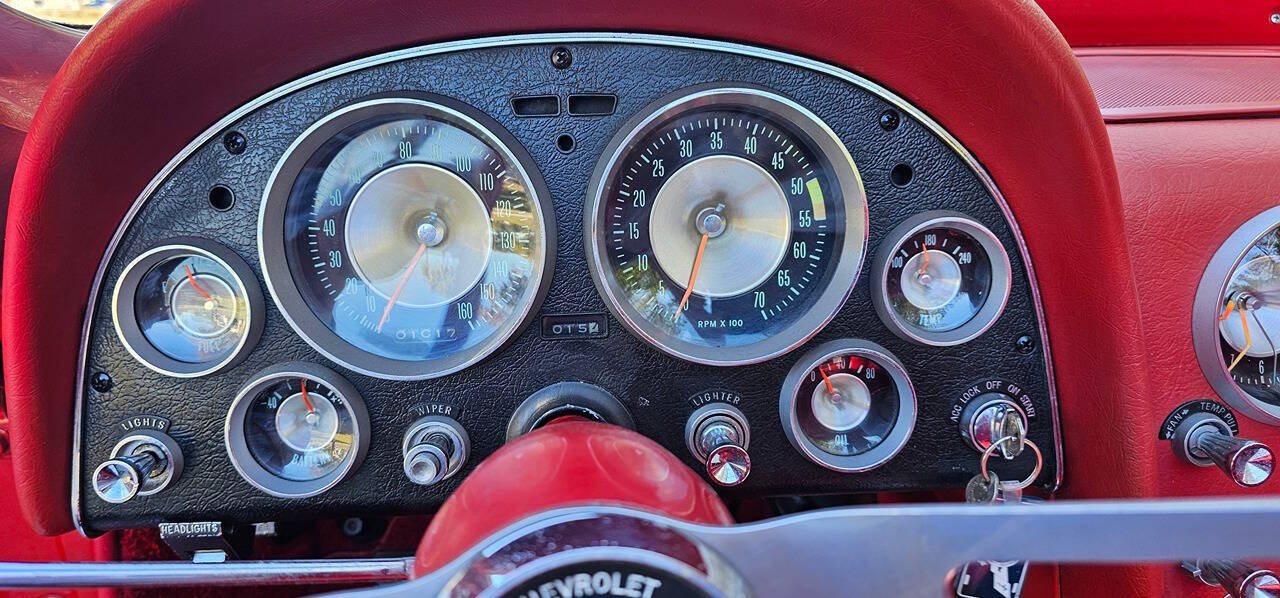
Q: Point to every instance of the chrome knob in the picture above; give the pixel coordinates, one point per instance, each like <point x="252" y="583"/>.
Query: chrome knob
<point x="1204" y="439"/>
<point x="435" y="448"/>
<point x="118" y="480"/>
<point x="1238" y="578"/>
<point x="1247" y="462"/>
<point x="717" y="435"/>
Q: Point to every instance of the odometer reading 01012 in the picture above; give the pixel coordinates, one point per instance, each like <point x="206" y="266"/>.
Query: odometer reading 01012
<point x="727" y="225"/>
<point x="405" y="239"/>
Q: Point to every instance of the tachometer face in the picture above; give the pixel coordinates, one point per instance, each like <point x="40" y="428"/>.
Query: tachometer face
<point x="412" y="238"/>
<point x="726" y="226"/>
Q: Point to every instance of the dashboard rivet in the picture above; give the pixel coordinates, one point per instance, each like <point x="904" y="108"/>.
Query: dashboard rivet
<point x="101" y="382"/>
<point x="235" y="142"/>
<point x="1025" y="344"/>
<point x="561" y="58"/>
<point x="1275" y="18"/>
<point x="889" y="120"/>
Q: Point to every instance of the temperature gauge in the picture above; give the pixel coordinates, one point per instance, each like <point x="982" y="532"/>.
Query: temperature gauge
<point x="187" y="309"/>
<point x="943" y="279"/>
<point x="848" y="405"/>
<point x="297" y="430"/>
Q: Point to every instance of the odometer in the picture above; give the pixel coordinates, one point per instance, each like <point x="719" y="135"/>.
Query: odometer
<point x="404" y="238"/>
<point x="726" y="226"/>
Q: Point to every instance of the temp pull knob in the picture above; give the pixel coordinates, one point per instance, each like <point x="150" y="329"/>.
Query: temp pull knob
<point x="1238" y="578"/>
<point x="717" y="435"/>
<point x="435" y="448"/>
<point x="140" y="465"/>
<point x="1204" y="439"/>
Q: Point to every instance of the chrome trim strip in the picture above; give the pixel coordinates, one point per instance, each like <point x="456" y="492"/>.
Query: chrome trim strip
<point x="549" y="38"/>
<point x="187" y="573"/>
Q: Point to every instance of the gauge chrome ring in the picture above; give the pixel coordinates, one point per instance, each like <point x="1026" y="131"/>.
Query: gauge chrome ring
<point x="1206" y="309"/>
<point x="877" y="455"/>
<point x="992" y="308"/>
<point x="130" y="333"/>
<point x="247" y="465"/>
<point x="844" y="172"/>
<point x="277" y="273"/>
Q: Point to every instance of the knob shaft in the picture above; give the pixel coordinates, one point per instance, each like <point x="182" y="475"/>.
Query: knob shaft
<point x="1238" y="578"/>
<point x="1247" y="462"/>
<point x="118" y="480"/>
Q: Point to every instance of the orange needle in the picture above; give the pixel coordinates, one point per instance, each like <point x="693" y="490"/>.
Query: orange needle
<point x="305" y="399"/>
<point x="395" y="296"/>
<point x="1248" y="342"/>
<point x="924" y="266"/>
<point x="192" y="279"/>
<point x="693" y="276"/>
<point x="830" y="388"/>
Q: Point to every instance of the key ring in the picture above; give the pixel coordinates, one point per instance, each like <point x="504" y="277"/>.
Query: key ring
<point x="1035" y="473"/>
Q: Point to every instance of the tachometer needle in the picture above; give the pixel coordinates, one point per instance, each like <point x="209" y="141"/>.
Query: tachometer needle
<point x="306" y="400"/>
<point x="693" y="276"/>
<point x="1244" y="323"/>
<point x="404" y="279"/>
<point x="195" y="285"/>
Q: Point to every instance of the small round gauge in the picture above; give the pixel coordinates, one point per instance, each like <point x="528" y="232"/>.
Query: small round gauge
<point x="848" y="406"/>
<point x="1237" y="319"/>
<point x="297" y="430"/>
<point x="726" y="226"/>
<point x="406" y="238"/>
<point x="188" y="308"/>
<point x="943" y="279"/>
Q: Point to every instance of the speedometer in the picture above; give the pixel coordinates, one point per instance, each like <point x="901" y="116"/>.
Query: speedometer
<point x="726" y="225"/>
<point x="406" y="238"/>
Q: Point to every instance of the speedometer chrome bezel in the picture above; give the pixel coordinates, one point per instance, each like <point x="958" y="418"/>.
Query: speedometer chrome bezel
<point x="1206" y="310"/>
<point x="846" y="174"/>
<point x="271" y="242"/>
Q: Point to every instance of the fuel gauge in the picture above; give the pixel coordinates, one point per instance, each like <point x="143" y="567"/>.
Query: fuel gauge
<point x="188" y="308"/>
<point x="943" y="279"/>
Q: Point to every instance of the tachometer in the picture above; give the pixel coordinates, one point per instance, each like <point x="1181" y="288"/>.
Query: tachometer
<point x="726" y="225"/>
<point x="406" y="238"/>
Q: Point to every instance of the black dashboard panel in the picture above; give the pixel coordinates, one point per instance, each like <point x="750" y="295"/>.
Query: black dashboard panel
<point x="660" y="391"/>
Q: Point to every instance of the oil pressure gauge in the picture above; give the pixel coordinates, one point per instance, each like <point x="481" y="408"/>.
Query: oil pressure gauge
<point x="296" y="430"/>
<point x="942" y="279"/>
<point x="1237" y="319"/>
<point x="848" y="405"/>
<point x="188" y="308"/>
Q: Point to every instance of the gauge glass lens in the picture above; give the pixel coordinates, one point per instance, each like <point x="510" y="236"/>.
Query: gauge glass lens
<point x="413" y="238"/>
<point x="858" y="415"/>
<point x="191" y="308"/>
<point x="728" y="227"/>
<point x="298" y="436"/>
<point x="939" y="278"/>
<point x="1249" y="326"/>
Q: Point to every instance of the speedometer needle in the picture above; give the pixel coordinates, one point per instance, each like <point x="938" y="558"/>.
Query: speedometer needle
<point x="693" y="276"/>
<point x="404" y="279"/>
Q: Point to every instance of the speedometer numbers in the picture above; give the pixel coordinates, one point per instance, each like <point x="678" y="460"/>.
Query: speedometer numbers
<point x="1237" y="319"/>
<point x="726" y="226"/>
<point x="406" y="238"/>
<point x="942" y="279"/>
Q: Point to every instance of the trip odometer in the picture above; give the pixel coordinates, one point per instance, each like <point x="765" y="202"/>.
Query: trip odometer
<point x="405" y="239"/>
<point x="726" y="225"/>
